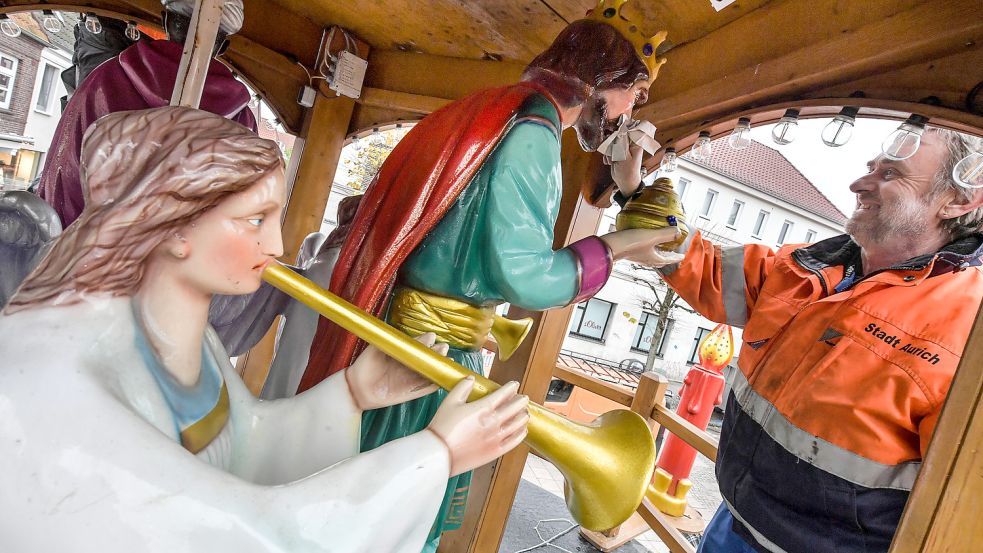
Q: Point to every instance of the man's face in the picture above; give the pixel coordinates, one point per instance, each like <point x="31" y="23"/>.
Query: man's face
<point x="896" y="200"/>
<point x="599" y="118"/>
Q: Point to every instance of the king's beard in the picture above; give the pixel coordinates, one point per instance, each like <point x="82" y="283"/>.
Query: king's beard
<point x="593" y="126"/>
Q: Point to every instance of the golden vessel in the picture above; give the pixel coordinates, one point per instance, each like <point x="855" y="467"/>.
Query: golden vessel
<point x="607" y="464"/>
<point x="652" y="209"/>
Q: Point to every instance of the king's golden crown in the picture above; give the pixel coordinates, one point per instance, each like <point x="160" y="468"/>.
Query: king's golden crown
<point x="609" y="11"/>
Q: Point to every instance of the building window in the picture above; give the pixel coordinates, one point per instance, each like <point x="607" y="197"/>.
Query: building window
<point x="759" y="224"/>
<point x="735" y="213"/>
<point x="708" y="201"/>
<point x="47" y="89"/>
<point x="681" y="185"/>
<point x="646" y="331"/>
<point x="810" y="236"/>
<point x="590" y="319"/>
<point x="694" y="355"/>
<point x="786" y="227"/>
<point x="8" y="72"/>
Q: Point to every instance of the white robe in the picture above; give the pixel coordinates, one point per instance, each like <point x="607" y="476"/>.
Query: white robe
<point x="89" y="459"/>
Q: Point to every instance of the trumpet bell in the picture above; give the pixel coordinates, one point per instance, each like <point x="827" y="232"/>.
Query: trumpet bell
<point x="509" y="334"/>
<point x="607" y="465"/>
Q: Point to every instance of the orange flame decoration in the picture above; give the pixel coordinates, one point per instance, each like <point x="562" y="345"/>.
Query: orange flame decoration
<point x="717" y="349"/>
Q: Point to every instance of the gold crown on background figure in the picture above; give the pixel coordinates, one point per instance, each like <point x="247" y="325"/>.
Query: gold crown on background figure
<point x="609" y="11"/>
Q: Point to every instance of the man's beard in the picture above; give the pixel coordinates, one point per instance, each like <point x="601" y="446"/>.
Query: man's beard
<point x="899" y="220"/>
<point x="593" y="126"/>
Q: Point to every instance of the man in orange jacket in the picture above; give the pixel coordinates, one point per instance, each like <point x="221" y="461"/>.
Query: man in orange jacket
<point x="850" y="345"/>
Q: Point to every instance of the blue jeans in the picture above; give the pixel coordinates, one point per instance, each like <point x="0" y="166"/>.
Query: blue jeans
<point x="719" y="536"/>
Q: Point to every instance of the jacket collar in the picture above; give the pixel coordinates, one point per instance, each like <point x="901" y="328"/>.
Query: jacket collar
<point x="839" y="250"/>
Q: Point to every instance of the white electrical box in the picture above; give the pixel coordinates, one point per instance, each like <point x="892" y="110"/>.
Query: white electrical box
<point x="306" y="96"/>
<point x="721" y="4"/>
<point x="348" y="74"/>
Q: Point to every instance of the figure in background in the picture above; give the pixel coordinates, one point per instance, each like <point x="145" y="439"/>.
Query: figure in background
<point x="123" y="423"/>
<point x="92" y="49"/>
<point x="850" y="348"/>
<point x="141" y="77"/>
<point x="460" y="217"/>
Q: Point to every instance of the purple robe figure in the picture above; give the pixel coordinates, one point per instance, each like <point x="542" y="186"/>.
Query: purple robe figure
<point x="141" y="77"/>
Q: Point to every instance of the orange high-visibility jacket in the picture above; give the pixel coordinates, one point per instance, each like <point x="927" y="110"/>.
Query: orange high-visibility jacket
<point x="838" y="391"/>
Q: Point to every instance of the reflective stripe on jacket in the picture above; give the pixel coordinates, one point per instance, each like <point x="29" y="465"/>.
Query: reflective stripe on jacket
<point x="838" y="392"/>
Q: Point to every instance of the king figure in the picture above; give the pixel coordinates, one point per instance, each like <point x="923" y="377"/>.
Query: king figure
<point x="460" y="217"/>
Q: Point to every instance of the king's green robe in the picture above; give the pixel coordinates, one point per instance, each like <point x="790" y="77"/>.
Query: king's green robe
<point x="494" y="245"/>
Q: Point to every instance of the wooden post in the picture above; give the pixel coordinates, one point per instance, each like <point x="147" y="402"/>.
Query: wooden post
<point x="943" y="511"/>
<point x="319" y="148"/>
<point x="651" y="391"/>
<point x="493" y="486"/>
<point x="197" y="54"/>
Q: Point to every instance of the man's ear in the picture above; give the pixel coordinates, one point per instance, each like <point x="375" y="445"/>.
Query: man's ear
<point x="958" y="206"/>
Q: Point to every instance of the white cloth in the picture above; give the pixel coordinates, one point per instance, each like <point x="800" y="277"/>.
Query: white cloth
<point x="615" y="146"/>
<point x="89" y="459"/>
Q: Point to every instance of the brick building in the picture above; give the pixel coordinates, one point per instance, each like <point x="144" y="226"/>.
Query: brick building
<point x="30" y="85"/>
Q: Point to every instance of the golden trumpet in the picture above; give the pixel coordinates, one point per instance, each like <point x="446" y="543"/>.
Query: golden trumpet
<point x="509" y="334"/>
<point x="607" y="464"/>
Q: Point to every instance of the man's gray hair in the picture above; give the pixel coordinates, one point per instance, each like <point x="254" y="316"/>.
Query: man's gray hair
<point x="957" y="146"/>
<point x="231" y="13"/>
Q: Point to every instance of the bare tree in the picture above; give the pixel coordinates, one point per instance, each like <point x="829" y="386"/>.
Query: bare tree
<point x="664" y="305"/>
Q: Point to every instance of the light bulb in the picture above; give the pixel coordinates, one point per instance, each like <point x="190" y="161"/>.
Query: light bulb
<point x="905" y="140"/>
<point x="740" y="138"/>
<point x="784" y="131"/>
<point x="669" y="161"/>
<point x="838" y="131"/>
<point x="131" y="31"/>
<point x="969" y="171"/>
<point x="50" y="22"/>
<point x="92" y="23"/>
<point x="702" y="149"/>
<point x="9" y="27"/>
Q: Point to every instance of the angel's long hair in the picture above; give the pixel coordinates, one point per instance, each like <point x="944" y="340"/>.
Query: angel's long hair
<point x="146" y="174"/>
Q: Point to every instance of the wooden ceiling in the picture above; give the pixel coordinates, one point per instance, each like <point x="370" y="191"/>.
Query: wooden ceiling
<point x="512" y="30"/>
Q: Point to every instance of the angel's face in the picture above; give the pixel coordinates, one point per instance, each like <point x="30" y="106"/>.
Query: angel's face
<point x="229" y="245"/>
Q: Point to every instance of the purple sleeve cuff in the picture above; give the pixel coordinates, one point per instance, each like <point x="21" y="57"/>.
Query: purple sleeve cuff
<point x="594" y="263"/>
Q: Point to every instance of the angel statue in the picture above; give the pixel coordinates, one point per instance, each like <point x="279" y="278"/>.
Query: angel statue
<point x="123" y="427"/>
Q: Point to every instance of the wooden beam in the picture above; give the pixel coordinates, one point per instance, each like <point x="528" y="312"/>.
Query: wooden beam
<point x="493" y="487"/>
<point x="656" y="520"/>
<point x="319" y="148"/>
<point x="196" y="57"/>
<point x="401" y="101"/>
<point x="926" y="31"/>
<point x="617" y="394"/>
<point x="276" y="78"/>
<point x="437" y="76"/>
<point x="699" y="439"/>
<point x="945" y="505"/>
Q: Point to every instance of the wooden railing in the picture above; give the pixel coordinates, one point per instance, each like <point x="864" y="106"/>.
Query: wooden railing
<point x="648" y="400"/>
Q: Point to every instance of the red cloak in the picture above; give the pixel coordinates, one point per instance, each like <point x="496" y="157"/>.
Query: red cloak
<point x="417" y="184"/>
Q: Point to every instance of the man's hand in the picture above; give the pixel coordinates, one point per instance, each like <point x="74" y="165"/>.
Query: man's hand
<point x="479" y="432"/>
<point x="376" y="380"/>
<point x="640" y="246"/>
<point x="627" y="174"/>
